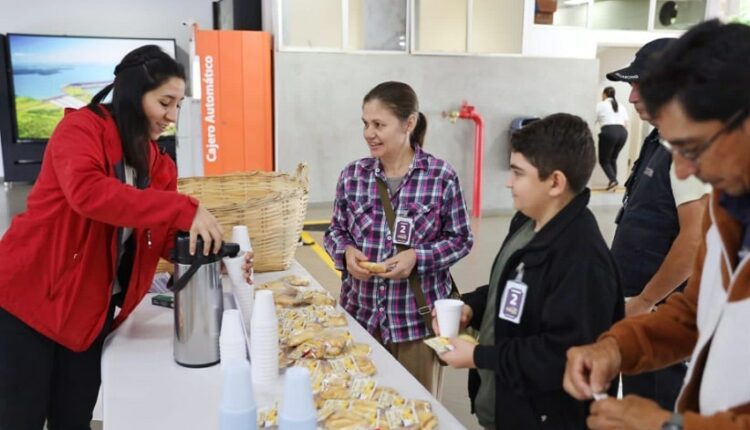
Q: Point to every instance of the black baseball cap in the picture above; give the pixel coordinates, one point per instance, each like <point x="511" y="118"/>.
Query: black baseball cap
<point x="633" y="72"/>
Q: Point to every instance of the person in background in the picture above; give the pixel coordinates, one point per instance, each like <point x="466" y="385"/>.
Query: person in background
<point x="553" y="285"/>
<point x="426" y="197"/>
<point x="102" y="211"/>
<point x="613" y="120"/>
<point x="658" y="232"/>
<point x="698" y="94"/>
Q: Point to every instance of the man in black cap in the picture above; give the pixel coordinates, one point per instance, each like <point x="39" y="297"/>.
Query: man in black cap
<point x="658" y="231"/>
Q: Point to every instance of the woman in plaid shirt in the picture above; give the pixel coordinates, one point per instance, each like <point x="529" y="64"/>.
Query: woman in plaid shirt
<point x="426" y="197"/>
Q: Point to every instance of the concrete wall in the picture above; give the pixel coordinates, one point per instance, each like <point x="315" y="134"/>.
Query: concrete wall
<point x="319" y="96"/>
<point x="132" y="18"/>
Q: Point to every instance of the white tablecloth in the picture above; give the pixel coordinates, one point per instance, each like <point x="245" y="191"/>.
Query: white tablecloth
<point x="143" y="388"/>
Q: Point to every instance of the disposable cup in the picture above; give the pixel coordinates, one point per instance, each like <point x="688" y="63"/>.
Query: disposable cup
<point x="448" y="316"/>
<point x="297" y="407"/>
<point x="238" y="407"/>
<point x="264" y="309"/>
<point x="241" y="237"/>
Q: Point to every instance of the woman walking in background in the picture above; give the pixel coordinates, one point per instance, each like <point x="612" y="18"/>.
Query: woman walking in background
<point x="613" y="134"/>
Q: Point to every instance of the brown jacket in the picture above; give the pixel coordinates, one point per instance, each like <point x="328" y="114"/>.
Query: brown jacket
<point x="710" y="323"/>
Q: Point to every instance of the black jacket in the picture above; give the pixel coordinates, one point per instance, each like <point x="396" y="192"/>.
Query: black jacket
<point x="573" y="296"/>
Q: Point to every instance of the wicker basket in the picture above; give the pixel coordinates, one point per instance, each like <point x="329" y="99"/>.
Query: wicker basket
<point x="272" y="205"/>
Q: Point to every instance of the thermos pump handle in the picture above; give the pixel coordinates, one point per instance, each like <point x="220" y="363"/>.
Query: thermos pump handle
<point x="228" y="249"/>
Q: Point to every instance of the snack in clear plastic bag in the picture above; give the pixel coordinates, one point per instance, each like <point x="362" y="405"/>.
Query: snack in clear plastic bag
<point x="361" y="349"/>
<point x="439" y="344"/>
<point x="297" y="281"/>
<point x="345" y="420"/>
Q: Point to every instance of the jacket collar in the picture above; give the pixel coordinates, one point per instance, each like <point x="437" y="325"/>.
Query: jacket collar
<point x="549" y="233"/>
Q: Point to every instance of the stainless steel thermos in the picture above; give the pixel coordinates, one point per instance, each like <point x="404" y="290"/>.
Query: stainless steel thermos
<point x="198" y="301"/>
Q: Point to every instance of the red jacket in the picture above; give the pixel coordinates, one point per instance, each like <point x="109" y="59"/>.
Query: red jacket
<point x="57" y="259"/>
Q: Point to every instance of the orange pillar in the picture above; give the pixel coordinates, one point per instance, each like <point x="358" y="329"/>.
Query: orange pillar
<point x="237" y="101"/>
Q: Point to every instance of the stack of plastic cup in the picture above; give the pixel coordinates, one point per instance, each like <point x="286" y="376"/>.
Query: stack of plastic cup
<point x="234" y="268"/>
<point x="264" y="344"/>
<point x="297" y="408"/>
<point x="243" y="292"/>
<point x="232" y="343"/>
<point x="241" y="236"/>
<point x="244" y="297"/>
<point x="238" y="410"/>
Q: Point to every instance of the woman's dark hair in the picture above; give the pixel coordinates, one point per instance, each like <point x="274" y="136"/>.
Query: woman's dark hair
<point x="707" y="71"/>
<point x="610" y="93"/>
<point x="402" y="101"/>
<point x="140" y="71"/>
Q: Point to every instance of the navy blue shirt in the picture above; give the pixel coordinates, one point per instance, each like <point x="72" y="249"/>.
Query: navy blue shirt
<point x="739" y="208"/>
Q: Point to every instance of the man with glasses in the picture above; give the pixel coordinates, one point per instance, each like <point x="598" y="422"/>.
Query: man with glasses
<point x="658" y="231"/>
<point x="698" y="93"/>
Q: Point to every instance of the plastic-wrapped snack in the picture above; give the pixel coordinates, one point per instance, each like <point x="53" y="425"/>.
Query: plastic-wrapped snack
<point x="427" y="419"/>
<point x="387" y="397"/>
<point x="318" y="298"/>
<point x="401" y="416"/>
<point x="284" y="360"/>
<point x="363" y="389"/>
<point x="268" y="417"/>
<point x="345" y="420"/>
<point x="367" y="409"/>
<point x="301" y="337"/>
<point x="361" y="349"/>
<point x="288" y="300"/>
<point x="273" y="285"/>
<point x="334" y="392"/>
<point x="329" y="407"/>
<point x="439" y="344"/>
<point x="364" y="365"/>
<point x="297" y="281"/>
<point x="335" y="320"/>
<point x="329" y="343"/>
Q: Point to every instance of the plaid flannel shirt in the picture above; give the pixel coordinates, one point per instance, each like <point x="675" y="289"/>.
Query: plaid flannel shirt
<point x="431" y="196"/>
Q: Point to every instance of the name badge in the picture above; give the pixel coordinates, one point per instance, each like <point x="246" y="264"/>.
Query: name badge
<point x="511" y="303"/>
<point x="404" y="230"/>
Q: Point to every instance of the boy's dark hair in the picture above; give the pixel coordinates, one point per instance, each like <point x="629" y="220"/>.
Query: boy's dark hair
<point x="707" y="70"/>
<point x="140" y="71"/>
<point x="558" y="142"/>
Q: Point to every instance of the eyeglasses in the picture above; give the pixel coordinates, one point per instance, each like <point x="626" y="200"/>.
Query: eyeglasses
<point x="694" y="152"/>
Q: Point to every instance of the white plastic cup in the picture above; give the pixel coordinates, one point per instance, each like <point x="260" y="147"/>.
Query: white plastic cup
<point x="264" y="309"/>
<point x="449" y="316"/>
<point x="297" y="410"/>
<point x="234" y="269"/>
<point x="241" y="236"/>
<point x="232" y="343"/>
<point x="238" y="410"/>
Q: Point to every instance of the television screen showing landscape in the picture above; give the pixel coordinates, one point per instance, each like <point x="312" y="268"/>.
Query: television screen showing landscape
<point x="50" y="73"/>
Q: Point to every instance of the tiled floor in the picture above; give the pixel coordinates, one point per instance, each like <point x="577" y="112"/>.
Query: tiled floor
<point x="469" y="273"/>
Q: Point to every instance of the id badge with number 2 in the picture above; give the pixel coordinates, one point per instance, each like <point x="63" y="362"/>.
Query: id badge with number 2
<point x="404" y="231"/>
<point x="511" y="303"/>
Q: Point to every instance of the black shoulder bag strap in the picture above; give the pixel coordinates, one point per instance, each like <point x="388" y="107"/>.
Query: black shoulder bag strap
<point x="414" y="282"/>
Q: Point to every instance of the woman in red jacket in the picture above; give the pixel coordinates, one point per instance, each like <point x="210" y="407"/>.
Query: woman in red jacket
<point x="102" y="212"/>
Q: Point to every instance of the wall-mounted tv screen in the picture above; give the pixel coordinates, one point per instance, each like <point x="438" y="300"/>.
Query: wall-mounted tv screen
<point x="50" y="73"/>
